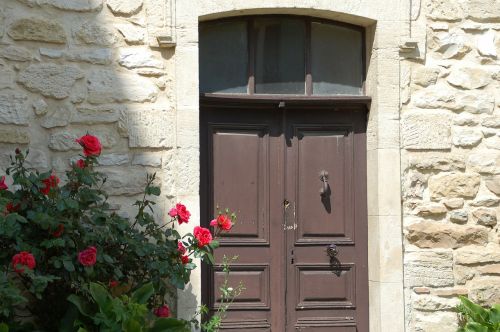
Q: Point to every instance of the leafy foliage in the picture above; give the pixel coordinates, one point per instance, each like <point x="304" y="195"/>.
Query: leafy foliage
<point x="79" y="245"/>
<point x="478" y="319"/>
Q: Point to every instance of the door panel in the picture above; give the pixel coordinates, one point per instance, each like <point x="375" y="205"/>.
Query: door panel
<point x="265" y="164"/>
<point x="323" y="292"/>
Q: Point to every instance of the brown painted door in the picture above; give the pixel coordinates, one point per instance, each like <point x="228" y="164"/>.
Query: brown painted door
<point x="265" y="164"/>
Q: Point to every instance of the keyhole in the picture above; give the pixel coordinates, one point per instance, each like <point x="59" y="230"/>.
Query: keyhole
<point x="286" y="203"/>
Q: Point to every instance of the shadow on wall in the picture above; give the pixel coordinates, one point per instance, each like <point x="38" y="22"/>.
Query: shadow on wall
<point x="68" y="67"/>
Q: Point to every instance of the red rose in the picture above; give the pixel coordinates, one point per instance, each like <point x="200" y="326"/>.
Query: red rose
<point x="59" y="230"/>
<point x="49" y="183"/>
<point x="10" y="207"/>
<point x="181" y="248"/>
<point x="91" y="145"/>
<point x="3" y="186"/>
<point x="223" y="222"/>
<point x="113" y="283"/>
<point x="80" y="163"/>
<point x="184" y="259"/>
<point x="162" y="311"/>
<point x="24" y="258"/>
<point x="203" y="236"/>
<point x="87" y="257"/>
<point x="180" y="212"/>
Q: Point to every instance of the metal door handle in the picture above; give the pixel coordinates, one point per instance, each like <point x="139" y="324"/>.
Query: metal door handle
<point x="323" y="177"/>
<point x="332" y="251"/>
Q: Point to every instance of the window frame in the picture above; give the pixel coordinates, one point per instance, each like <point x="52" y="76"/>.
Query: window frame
<point x="308" y="79"/>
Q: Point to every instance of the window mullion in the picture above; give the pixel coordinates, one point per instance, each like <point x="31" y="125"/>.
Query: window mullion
<point x="307" y="50"/>
<point x="251" y="57"/>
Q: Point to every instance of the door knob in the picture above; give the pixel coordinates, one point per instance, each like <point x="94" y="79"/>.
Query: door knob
<point x="323" y="177"/>
<point x="332" y="251"/>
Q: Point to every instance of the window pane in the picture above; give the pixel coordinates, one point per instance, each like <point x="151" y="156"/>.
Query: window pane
<point x="280" y="64"/>
<point x="224" y="57"/>
<point x="336" y="60"/>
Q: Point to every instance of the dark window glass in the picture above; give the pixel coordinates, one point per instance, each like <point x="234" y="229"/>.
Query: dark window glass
<point x="336" y="60"/>
<point x="224" y="57"/>
<point x="280" y="59"/>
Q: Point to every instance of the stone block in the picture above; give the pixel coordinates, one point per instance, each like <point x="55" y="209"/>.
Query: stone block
<point x="49" y="79"/>
<point x="37" y="29"/>
<point x="454" y="184"/>
<point x="485" y="290"/>
<point x="487" y="162"/>
<point x="466" y="137"/>
<point x="485" y="201"/>
<point x="14" y="135"/>
<point x="477" y="102"/>
<point x="124" y="7"/>
<point x="437" y="161"/>
<point x="433" y="303"/>
<point x="149" y="129"/>
<point x="493" y="184"/>
<point x="436" y="321"/>
<point x="453" y="203"/>
<point x="423" y="130"/>
<point x="452" y="45"/>
<point x="13" y="107"/>
<point x="147" y="159"/>
<point x="113" y="159"/>
<point x="474" y="255"/>
<point x="138" y="58"/>
<point x="465" y="119"/>
<point x="96" y="57"/>
<point x="425" y="76"/>
<point x="124" y="181"/>
<point x="428" y="268"/>
<point x="485" y="216"/>
<point x="106" y="86"/>
<point x="57" y="116"/>
<point x="491" y="122"/>
<point x="438" y="235"/>
<point x="16" y="53"/>
<point x="65" y="140"/>
<point x="51" y="52"/>
<point x="96" y="114"/>
<point x="132" y="33"/>
<point x="459" y="217"/>
<point x="96" y="34"/>
<point x="483" y="10"/>
<point x="40" y="107"/>
<point x="469" y="77"/>
<point x="486" y="44"/>
<point x="431" y="209"/>
<point x="72" y="5"/>
<point x="444" y="10"/>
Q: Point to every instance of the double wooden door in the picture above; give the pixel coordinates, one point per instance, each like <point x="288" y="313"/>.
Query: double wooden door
<point x="296" y="177"/>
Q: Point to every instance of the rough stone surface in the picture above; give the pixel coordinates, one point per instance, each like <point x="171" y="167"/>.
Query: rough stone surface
<point x="454" y="185"/>
<point x="49" y="79"/>
<point x="96" y="34"/>
<point x="37" y="29"/>
<point x="106" y="86"/>
<point x="15" y="53"/>
<point x="96" y="57"/>
<point x="14" y="135"/>
<point x="114" y="159"/>
<point x="441" y="162"/>
<point x="127" y="181"/>
<point x="473" y="255"/>
<point x="476" y="102"/>
<point x="431" y="209"/>
<point x="7" y="76"/>
<point x="124" y="7"/>
<point x="493" y="184"/>
<point x="426" y="130"/>
<point x="96" y="114"/>
<point x="137" y="58"/>
<point x="436" y="235"/>
<point x="465" y="119"/>
<point x="72" y="5"/>
<point x="444" y="10"/>
<point x="13" y="108"/>
<point x="40" y="107"/>
<point x="429" y="268"/>
<point x="465" y="137"/>
<point x="453" y="46"/>
<point x="485" y="216"/>
<point x="485" y="201"/>
<point x="149" y="129"/>
<point x="469" y="77"/>
<point x="453" y="203"/>
<point x="132" y="33"/>
<point x="485" y="162"/>
<point x="436" y="322"/>
<point x="147" y="159"/>
<point x="491" y="122"/>
<point x="486" y="44"/>
<point x="483" y="10"/>
<point x="434" y="303"/>
<point x="459" y="217"/>
<point x="485" y="291"/>
<point x="425" y="76"/>
<point x="51" y="52"/>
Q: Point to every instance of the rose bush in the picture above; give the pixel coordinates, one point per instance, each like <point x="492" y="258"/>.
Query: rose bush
<point x="59" y="237"/>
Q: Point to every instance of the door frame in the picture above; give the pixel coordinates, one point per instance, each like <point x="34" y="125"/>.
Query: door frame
<point x="252" y="102"/>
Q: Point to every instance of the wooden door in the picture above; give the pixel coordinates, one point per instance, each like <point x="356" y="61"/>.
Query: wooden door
<point x="265" y="164"/>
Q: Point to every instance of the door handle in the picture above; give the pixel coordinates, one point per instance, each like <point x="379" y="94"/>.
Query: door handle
<point x="323" y="177"/>
<point x="332" y="251"/>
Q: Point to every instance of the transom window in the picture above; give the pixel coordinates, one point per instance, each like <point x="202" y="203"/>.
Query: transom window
<point x="281" y="55"/>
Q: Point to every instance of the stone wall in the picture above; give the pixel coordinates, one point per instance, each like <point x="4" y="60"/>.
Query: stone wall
<point x="450" y="139"/>
<point x="68" y="67"/>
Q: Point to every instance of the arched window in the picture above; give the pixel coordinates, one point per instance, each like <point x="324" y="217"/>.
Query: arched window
<point x="275" y="54"/>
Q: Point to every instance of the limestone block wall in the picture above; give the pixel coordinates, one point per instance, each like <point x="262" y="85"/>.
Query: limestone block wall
<point x="68" y="67"/>
<point x="450" y="141"/>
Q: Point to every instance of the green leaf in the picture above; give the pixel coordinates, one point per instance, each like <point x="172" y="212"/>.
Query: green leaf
<point x="143" y="294"/>
<point x="169" y="325"/>
<point x="4" y="327"/>
<point x="81" y="329"/>
<point x="210" y="258"/>
<point x="107" y="259"/>
<point x="100" y="295"/>
<point x="68" y="265"/>
<point x="81" y="305"/>
<point x="495" y="314"/>
<point x="475" y="327"/>
<point x="131" y="325"/>
<point x="214" y="244"/>
<point x="153" y="191"/>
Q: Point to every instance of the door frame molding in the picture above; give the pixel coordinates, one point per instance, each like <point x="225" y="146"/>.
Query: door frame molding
<point x="386" y="23"/>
